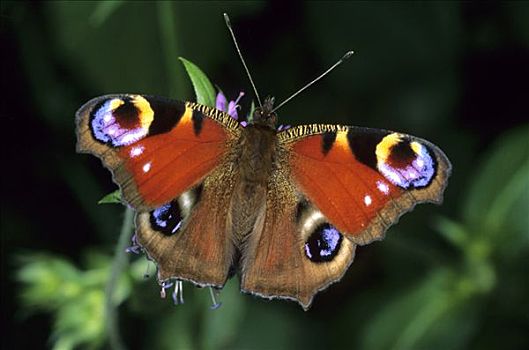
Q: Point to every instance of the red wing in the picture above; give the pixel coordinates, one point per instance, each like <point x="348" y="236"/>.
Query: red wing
<point x="156" y="148"/>
<point x="361" y="179"/>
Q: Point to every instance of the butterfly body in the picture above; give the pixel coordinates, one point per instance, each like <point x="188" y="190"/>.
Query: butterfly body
<point x="283" y="209"/>
<point x="257" y="147"/>
<point x="254" y="165"/>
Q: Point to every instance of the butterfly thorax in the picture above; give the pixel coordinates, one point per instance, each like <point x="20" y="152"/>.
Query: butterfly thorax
<point x="255" y="164"/>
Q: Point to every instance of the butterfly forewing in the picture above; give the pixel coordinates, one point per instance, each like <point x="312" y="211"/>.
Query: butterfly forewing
<point x="156" y="148"/>
<point x="173" y="163"/>
<point x="364" y="179"/>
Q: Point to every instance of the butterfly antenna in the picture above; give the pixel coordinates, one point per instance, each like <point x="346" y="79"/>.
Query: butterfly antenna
<point x="340" y="61"/>
<point x="228" y="24"/>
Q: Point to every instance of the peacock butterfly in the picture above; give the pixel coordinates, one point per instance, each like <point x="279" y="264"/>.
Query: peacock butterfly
<point x="284" y="209"/>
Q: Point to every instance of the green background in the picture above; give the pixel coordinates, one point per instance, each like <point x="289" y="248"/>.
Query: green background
<point x="448" y="277"/>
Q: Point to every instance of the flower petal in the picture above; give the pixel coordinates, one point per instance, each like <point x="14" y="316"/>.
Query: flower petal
<point x="232" y="109"/>
<point x="221" y="102"/>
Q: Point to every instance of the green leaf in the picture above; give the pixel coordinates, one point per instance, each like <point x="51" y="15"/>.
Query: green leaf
<point x="47" y="281"/>
<point x="74" y="296"/>
<point x="80" y="321"/>
<point x="204" y="90"/>
<point x="422" y="317"/>
<point x="503" y="164"/>
<point x="113" y="197"/>
<point x="514" y="192"/>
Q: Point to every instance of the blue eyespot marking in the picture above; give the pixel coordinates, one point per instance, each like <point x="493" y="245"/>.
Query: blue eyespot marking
<point x="405" y="164"/>
<point x="323" y="244"/>
<point x="166" y="219"/>
<point x="118" y="122"/>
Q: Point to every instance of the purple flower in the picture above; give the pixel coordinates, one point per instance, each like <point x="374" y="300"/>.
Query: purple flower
<point x="231" y="107"/>
<point x="221" y="101"/>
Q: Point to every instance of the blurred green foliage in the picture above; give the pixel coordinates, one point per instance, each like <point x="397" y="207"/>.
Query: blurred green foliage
<point x="449" y="277"/>
<point x="75" y="297"/>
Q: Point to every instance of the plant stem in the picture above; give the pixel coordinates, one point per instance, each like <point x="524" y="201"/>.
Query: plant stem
<point x="167" y="27"/>
<point x="118" y="264"/>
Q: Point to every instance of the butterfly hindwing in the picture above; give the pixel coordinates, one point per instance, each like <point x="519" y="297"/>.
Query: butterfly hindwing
<point x="364" y="179"/>
<point x="156" y="148"/>
<point x="189" y="238"/>
<point x="293" y="251"/>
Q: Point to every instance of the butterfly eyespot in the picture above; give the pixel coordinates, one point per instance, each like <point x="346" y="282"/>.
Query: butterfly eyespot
<point x="405" y="163"/>
<point x="122" y="121"/>
<point x="323" y="244"/>
<point x="166" y="219"/>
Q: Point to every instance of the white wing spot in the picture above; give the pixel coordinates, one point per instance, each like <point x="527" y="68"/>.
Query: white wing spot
<point x="383" y="187"/>
<point x="136" y="151"/>
<point x="146" y="167"/>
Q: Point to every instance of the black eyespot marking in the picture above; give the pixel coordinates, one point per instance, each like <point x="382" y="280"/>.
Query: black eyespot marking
<point x="116" y="121"/>
<point x="327" y="141"/>
<point x="166" y="219"/>
<point x="363" y="144"/>
<point x="197" y="191"/>
<point x="127" y="115"/>
<point x="323" y="244"/>
<point x="167" y="114"/>
<point x="406" y="162"/>
<point x="401" y="154"/>
<point x="197" y="119"/>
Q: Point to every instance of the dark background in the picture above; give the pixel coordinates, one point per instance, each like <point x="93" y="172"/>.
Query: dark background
<point x="454" y="73"/>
